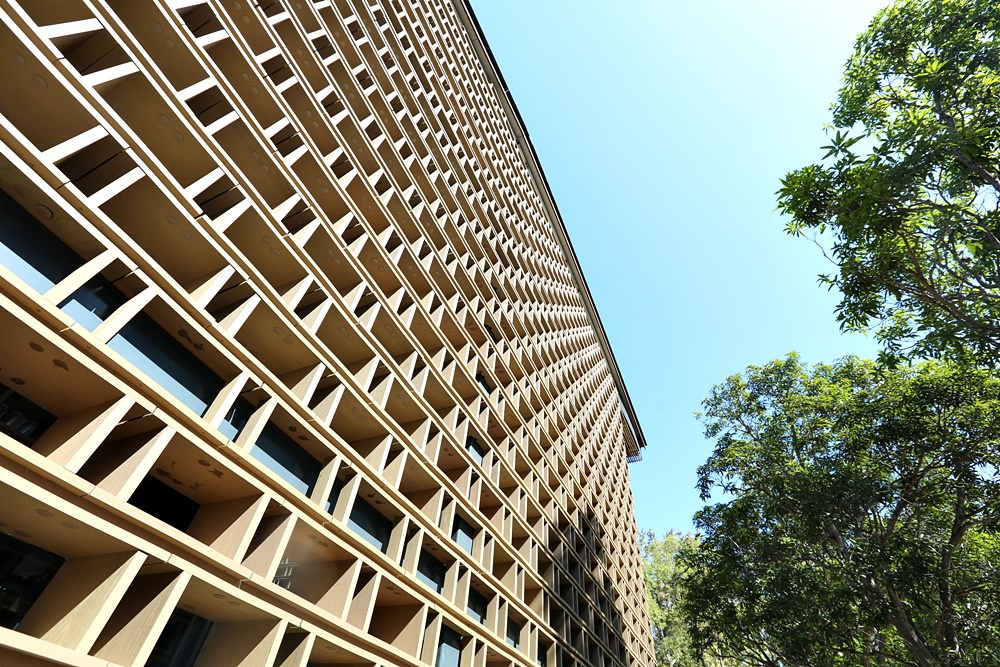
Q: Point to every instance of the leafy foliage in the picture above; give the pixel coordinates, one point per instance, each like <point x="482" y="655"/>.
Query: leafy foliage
<point x="908" y="193"/>
<point x="859" y="522"/>
<point x="663" y="591"/>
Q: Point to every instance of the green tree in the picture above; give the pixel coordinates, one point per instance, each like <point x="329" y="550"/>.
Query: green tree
<point x="663" y="590"/>
<point x="859" y="522"/>
<point x="907" y="197"/>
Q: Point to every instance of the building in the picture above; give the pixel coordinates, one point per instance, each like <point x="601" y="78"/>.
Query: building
<point x="299" y="367"/>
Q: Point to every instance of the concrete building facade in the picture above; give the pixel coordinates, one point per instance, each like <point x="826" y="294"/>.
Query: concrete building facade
<point x="298" y="365"/>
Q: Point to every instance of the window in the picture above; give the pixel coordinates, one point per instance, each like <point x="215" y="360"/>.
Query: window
<point x="513" y="633"/>
<point x="25" y="571"/>
<point x="93" y="303"/>
<point x="331" y="500"/>
<point x="475" y="449"/>
<point x="477" y="606"/>
<point x="431" y="571"/>
<point x="285" y="458"/>
<point x="237" y="417"/>
<point x="543" y="655"/>
<point x="29" y="250"/>
<point x="22" y="419"/>
<point x="463" y="533"/>
<point x="181" y="640"/>
<point x="41" y="259"/>
<point x="481" y="379"/>
<point x="163" y="501"/>
<point x="449" y="648"/>
<point x="284" y="573"/>
<point x="171" y="365"/>
<point x="367" y="522"/>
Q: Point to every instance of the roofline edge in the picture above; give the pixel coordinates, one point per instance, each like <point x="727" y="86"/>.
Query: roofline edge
<point x="467" y="17"/>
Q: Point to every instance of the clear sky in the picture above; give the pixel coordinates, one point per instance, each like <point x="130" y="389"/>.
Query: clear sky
<point x="663" y="128"/>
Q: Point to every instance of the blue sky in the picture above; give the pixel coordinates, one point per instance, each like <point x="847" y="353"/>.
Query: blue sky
<point x="663" y="129"/>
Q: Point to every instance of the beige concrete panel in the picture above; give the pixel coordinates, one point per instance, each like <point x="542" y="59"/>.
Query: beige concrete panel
<point x="269" y="544"/>
<point x="137" y="623"/>
<point x="232" y="323"/>
<point x="255" y="425"/>
<point x="327" y="407"/>
<point x="397" y="540"/>
<point x="58" y="293"/>
<point x="81" y="597"/>
<point x="229" y="526"/>
<point x="432" y="635"/>
<point x="392" y="471"/>
<point x="207" y="290"/>
<point x="314" y="320"/>
<point x="119" y="184"/>
<point x="400" y="626"/>
<point x="220" y="407"/>
<point x="20" y="650"/>
<point x="123" y="480"/>
<point x="303" y="382"/>
<point x="223" y="221"/>
<point x="293" y="295"/>
<point x="341" y="579"/>
<point x="74" y="438"/>
<point x="363" y="600"/>
<point x="295" y="650"/>
<point x="345" y="502"/>
<point x="325" y="481"/>
<point x="111" y="326"/>
<point x="242" y="644"/>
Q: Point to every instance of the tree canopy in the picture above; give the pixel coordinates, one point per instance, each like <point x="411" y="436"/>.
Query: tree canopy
<point x="859" y="517"/>
<point x="907" y="197"/>
<point x="663" y="591"/>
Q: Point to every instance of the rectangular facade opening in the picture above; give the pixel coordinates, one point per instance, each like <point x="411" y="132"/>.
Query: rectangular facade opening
<point x="367" y="522"/>
<point x="463" y="533"/>
<point x="283" y="456"/>
<point x="431" y="571"/>
<point x="164" y="502"/>
<point x="181" y="640"/>
<point x="25" y="571"/>
<point x="22" y="419"/>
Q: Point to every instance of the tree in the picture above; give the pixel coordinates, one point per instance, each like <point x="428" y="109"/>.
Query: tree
<point x="663" y="590"/>
<point x="859" y="522"/>
<point x="907" y="197"/>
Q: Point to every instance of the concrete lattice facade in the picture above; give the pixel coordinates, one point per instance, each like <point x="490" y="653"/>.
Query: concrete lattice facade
<point x="298" y="366"/>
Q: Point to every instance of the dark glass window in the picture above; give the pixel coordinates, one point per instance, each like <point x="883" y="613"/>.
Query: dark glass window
<point x="29" y="250"/>
<point x="25" y="571"/>
<point x="477" y="605"/>
<point x="543" y="655"/>
<point x="475" y="449"/>
<point x="283" y="575"/>
<point x="449" y="650"/>
<point x="171" y="365"/>
<point x="145" y="344"/>
<point x="164" y="502"/>
<point x="513" y="633"/>
<point x="463" y="533"/>
<point x="484" y="383"/>
<point x="93" y="303"/>
<point x="237" y="417"/>
<point x="331" y="500"/>
<point x="431" y="571"/>
<point x="181" y="640"/>
<point x="292" y="463"/>
<point x="366" y="521"/>
<point x="22" y="419"/>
